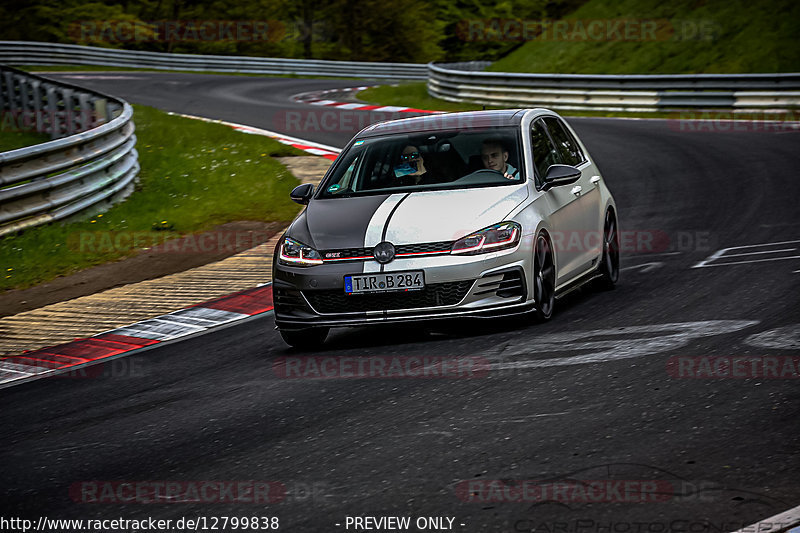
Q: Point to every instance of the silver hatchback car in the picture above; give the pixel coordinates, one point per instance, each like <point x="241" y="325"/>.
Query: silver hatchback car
<point x="478" y="214"/>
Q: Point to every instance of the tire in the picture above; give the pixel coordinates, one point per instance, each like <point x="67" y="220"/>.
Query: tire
<point x="609" y="264"/>
<point x="308" y="338"/>
<point x="544" y="278"/>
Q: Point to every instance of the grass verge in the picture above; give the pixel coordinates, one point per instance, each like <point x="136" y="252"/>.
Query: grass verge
<point x="712" y="36"/>
<point x="415" y="95"/>
<point x="12" y="137"/>
<point x="715" y="36"/>
<point x="194" y="176"/>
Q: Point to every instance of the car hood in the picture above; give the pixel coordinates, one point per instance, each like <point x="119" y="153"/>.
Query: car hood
<point x="404" y="218"/>
<point x="449" y="215"/>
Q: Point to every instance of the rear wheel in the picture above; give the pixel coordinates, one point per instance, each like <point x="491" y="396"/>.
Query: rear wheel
<point x="305" y="338"/>
<point x="609" y="265"/>
<point x="544" y="278"/>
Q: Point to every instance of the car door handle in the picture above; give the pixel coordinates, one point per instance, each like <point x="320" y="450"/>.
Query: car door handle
<point x="576" y="190"/>
<point x="595" y="180"/>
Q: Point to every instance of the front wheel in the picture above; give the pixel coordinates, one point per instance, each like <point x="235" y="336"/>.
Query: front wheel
<point x="544" y="279"/>
<point x="305" y="338"/>
<point x="609" y="264"/>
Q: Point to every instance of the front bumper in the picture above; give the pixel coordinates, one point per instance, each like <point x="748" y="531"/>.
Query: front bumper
<point x="475" y="286"/>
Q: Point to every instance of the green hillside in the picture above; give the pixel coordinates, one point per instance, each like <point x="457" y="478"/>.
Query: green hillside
<point x="682" y="36"/>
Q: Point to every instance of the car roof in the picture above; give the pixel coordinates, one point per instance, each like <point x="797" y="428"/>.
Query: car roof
<point x="446" y="121"/>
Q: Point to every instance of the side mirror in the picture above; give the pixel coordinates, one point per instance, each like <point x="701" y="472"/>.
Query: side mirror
<point x="302" y="193"/>
<point x="560" y="175"/>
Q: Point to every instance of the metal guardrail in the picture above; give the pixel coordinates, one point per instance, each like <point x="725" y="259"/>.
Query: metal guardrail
<point x="91" y="164"/>
<point x="466" y="82"/>
<point x="35" y="53"/>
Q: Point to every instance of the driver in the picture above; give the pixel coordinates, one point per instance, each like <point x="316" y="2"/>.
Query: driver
<point x="495" y="157"/>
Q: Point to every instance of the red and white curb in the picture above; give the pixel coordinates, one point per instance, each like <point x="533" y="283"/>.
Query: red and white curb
<point x="354" y="106"/>
<point x="194" y="320"/>
<point x="318" y="98"/>
<point x="311" y="147"/>
<point x="145" y="334"/>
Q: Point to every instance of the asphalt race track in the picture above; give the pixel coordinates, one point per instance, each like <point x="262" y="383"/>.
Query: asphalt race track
<point x="590" y="399"/>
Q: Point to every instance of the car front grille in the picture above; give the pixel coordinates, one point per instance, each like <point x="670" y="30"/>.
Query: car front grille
<point x="441" y="246"/>
<point x="352" y="254"/>
<point x="434" y="295"/>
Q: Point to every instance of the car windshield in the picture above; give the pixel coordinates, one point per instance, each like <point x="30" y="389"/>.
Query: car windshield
<point x="439" y="160"/>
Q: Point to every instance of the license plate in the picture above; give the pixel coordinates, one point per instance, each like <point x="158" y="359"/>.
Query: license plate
<point x="384" y="282"/>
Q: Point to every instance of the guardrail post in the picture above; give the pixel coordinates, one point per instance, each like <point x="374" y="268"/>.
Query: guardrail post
<point x="9" y="85"/>
<point x="85" y="110"/>
<point x="111" y="109"/>
<point x="24" y="118"/>
<point x="36" y="85"/>
<point x="101" y="111"/>
<point x="69" y="111"/>
<point x="52" y="112"/>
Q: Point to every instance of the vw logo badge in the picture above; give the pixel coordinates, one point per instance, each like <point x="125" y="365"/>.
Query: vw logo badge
<point x="383" y="252"/>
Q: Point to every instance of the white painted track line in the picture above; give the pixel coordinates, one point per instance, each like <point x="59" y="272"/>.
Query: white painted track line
<point x="776" y="524"/>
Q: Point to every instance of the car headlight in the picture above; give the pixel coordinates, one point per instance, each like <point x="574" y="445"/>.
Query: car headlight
<point x="498" y="237"/>
<point x="297" y="254"/>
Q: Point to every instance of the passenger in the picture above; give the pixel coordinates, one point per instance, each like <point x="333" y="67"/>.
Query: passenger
<point x="495" y="157"/>
<point x="411" y="169"/>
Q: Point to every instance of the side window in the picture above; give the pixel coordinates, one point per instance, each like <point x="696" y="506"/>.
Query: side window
<point x="544" y="153"/>
<point x="347" y="180"/>
<point x="566" y="145"/>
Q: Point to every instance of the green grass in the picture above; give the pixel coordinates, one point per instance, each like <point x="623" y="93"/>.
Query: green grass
<point x="412" y="95"/>
<point x="730" y="37"/>
<point x="12" y="137"/>
<point x="416" y="95"/>
<point x="740" y="37"/>
<point x="194" y="176"/>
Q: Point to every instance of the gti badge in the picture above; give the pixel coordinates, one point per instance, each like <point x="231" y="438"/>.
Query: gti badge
<point x="383" y="252"/>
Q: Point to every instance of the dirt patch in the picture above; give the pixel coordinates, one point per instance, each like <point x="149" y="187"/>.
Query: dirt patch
<point x="174" y="256"/>
<point x="306" y="169"/>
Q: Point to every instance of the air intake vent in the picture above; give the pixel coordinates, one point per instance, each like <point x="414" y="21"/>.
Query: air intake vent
<point x="511" y="285"/>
